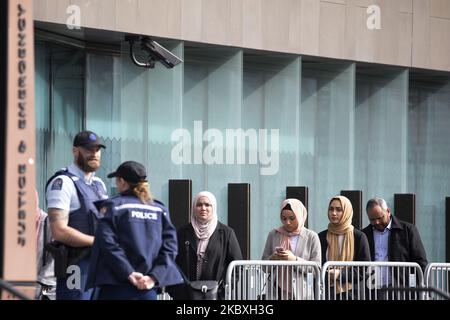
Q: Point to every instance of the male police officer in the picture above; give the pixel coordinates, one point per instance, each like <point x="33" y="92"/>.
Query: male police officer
<point x="71" y="193"/>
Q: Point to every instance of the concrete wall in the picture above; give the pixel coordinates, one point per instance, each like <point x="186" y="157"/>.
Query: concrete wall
<point x="413" y="32"/>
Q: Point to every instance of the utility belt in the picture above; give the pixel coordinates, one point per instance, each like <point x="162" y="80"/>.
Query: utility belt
<point x="66" y="256"/>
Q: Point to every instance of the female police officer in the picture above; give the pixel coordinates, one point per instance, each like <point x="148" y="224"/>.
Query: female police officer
<point x="135" y="242"/>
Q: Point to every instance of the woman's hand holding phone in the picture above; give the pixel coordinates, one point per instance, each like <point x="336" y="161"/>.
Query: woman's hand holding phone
<point x="279" y="249"/>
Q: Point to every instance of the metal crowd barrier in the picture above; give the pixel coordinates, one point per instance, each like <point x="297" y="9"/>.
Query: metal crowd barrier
<point x="163" y="295"/>
<point x="358" y="280"/>
<point x="10" y="288"/>
<point x="437" y="275"/>
<point x="272" y="280"/>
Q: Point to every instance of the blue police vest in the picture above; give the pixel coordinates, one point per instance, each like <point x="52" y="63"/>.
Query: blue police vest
<point x="84" y="219"/>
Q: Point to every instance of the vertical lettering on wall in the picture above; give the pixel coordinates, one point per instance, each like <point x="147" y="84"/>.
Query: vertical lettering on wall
<point x="19" y="180"/>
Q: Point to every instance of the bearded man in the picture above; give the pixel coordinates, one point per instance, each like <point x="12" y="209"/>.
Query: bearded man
<point x="71" y="193"/>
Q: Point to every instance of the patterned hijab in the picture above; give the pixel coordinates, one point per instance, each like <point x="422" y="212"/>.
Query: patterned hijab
<point x="204" y="229"/>
<point x="343" y="227"/>
<point x="300" y="213"/>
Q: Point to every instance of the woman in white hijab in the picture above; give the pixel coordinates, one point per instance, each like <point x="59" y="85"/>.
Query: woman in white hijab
<point x="292" y="242"/>
<point x="205" y="245"/>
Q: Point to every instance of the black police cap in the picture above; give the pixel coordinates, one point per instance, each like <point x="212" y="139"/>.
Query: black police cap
<point x="88" y="139"/>
<point x="130" y="171"/>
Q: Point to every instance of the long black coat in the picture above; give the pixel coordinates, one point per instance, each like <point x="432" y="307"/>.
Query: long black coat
<point x="361" y="249"/>
<point x="404" y="243"/>
<point x="361" y="253"/>
<point x="222" y="248"/>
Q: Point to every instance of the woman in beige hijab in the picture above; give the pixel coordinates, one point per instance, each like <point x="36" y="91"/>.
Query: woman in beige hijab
<point x="292" y="242"/>
<point x="342" y="242"/>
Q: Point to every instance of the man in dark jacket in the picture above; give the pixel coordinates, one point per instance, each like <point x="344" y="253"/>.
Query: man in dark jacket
<point x="391" y="239"/>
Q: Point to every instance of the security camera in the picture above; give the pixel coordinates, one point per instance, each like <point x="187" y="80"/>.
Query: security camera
<point x="156" y="53"/>
<point x="167" y="58"/>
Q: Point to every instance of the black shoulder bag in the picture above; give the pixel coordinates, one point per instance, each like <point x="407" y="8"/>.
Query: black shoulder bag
<point x="200" y="289"/>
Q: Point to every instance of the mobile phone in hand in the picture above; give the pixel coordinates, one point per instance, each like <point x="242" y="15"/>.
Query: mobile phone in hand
<point x="279" y="249"/>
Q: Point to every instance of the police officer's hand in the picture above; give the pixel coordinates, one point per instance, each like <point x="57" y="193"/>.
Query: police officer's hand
<point x="146" y="283"/>
<point x="134" y="278"/>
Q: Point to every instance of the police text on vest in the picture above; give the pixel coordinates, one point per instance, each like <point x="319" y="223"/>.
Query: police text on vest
<point x="143" y="215"/>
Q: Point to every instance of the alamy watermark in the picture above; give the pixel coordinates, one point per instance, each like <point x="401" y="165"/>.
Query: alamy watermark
<point x="229" y="147"/>
<point x="374" y="19"/>
<point x="73" y="21"/>
<point x="74" y="279"/>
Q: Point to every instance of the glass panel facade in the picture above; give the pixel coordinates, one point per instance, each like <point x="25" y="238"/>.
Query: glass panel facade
<point x="60" y="73"/>
<point x="271" y="99"/>
<point x="212" y="97"/>
<point x="381" y="128"/>
<point x="326" y="134"/>
<point x="135" y="110"/>
<point x="428" y="158"/>
<point x="227" y="116"/>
